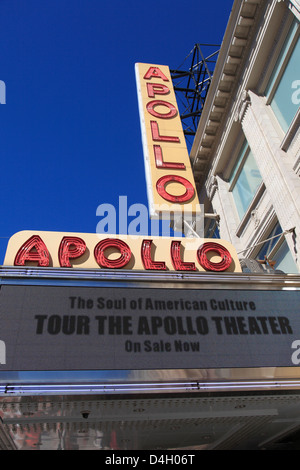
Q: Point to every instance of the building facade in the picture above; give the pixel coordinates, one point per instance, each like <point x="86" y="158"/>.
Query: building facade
<point x="246" y="152"/>
<point x="123" y="354"/>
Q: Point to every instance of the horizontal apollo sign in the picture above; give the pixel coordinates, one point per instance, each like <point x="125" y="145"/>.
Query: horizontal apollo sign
<point x="94" y="251"/>
<point x="169" y="176"/>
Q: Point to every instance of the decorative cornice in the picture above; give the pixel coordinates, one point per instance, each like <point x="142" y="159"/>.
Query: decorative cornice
<point x="236" y="40"/>
<point x="244" y="102"/>
<point x="212" y="187"/>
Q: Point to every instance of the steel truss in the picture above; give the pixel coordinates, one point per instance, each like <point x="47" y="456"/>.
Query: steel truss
<point x="191" y="85"/>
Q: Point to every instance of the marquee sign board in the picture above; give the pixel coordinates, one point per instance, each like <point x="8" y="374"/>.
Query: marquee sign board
<point x="169" y="176"/>
<point x="96" y="251"/>
<point x="122" y="328"/>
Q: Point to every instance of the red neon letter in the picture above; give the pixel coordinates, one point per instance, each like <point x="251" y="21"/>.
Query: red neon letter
<point x="155" y="72"/>
<point x="70" y="247"/>
<point x="159" y="162"/>
<point x="157" y="89"/>
<point x="220" y="250"/>
<point x="161" y="138"/>
<point x="178" y="264"/>
<point x="172" y="109"/>
<point x="104" y="262"/>
<point x="34" y="249"/>
<point x="189" y="189"/>
<point x="146" y="257"/>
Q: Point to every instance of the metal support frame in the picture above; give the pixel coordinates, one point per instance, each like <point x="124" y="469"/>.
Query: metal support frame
<point x="191" y="84"/>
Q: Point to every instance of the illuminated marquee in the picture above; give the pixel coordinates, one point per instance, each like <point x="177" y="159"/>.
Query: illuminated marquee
<point x="170" y="181"/>
<point x="94" y="251"/>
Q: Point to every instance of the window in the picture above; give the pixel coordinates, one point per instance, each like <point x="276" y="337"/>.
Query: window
<point x="212" y="230"/>
<point x="283" y="90"/>
<point x="244" y="180"/>
<point x="276" y="249"/>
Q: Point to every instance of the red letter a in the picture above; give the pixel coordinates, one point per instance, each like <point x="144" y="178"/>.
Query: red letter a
<point x="34" y="249"/>
<point x="156" y="73"/>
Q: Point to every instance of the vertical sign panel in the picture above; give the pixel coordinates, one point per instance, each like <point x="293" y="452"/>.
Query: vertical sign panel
<point x="170" y="181"/>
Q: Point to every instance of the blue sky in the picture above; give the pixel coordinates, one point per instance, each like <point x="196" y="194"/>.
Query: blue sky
<point x="70" y="132"/>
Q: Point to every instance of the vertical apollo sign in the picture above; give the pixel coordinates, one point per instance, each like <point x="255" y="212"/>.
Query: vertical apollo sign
<point x="169" y="177"/>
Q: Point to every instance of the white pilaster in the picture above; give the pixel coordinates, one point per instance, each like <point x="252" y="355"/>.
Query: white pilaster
<point x="281" y="182"/>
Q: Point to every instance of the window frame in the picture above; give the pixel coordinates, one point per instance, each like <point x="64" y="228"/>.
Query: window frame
<point x="279" y="241"/>
<point x="284" y="54"/>
<point x="236" y="171"/>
